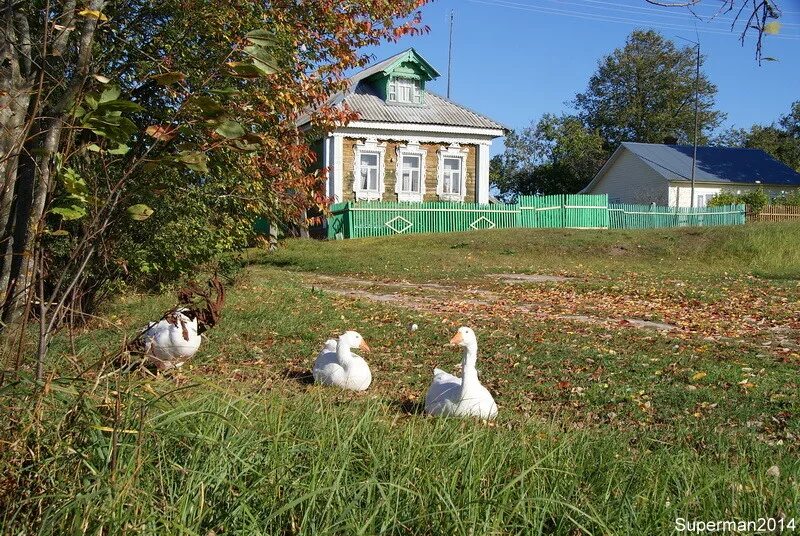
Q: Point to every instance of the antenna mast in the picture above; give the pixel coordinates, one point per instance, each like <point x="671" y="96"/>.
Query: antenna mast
<point x="450" y="54"/>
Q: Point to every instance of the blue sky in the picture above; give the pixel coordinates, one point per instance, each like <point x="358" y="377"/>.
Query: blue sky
<point x="515" y="60"/>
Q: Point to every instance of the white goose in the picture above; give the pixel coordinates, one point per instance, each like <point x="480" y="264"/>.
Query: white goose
<point x="337" y="365"/>
<point x="461" y="397"/>
<point x="171" y="341"/>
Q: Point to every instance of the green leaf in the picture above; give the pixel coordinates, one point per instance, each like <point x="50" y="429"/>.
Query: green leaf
<point x="230" y="129"/>
<point x="110" y="94"/>
<point x="166" y="79"/>
<point x="102" y="79"/>
<point x="73" y="212"/>
<point x="120" y="150"/>
<point x="94" y="148"/>
<point x="194" y="160"/>
<point x="207" y="106"/>
<point x="140" y="212"/>
<point x="262" y="59"/>
<point x="245" y="69"/>
<point x="74" y="183"/>
<point x="261" y="37"/>
<point x="225" y="92"/>
<point x="60" y="232"/>
<point x="120" y="106"/>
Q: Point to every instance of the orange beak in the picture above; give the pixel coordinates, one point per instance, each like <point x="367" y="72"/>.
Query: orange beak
<point x="363" y="346"/>
<point x="457" y="338"/>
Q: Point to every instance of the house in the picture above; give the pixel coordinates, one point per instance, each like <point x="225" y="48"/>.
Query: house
<point x="661" y="174"/>
<point x="408" y="144"/>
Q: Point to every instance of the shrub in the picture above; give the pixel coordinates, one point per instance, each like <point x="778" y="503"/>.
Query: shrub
<point x="755" y="199"/>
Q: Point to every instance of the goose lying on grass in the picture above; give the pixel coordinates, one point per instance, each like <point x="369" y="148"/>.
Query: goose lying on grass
<point x="171" y="341"/>
<point x="461" y="397"/>
<point x="337" y="365"/>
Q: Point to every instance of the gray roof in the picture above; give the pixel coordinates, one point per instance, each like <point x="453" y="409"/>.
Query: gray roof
<point x="714" y="164"/>
<point x="436" y="110"/>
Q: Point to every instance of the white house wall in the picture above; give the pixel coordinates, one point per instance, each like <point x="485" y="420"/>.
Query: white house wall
<point x="680" y="191"/>
<point x="629" y="180"/>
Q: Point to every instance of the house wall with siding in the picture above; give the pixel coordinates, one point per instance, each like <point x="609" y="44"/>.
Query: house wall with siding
<point x="680" y="192"/>
<point x="629" y="180"/>
<point x="390" y="166"/>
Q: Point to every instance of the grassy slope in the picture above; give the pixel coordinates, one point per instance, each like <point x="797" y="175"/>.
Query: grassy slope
<point x="599" y="430"/>
<point x="762" y="249"/>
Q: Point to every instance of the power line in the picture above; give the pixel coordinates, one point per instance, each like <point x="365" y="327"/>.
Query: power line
<point x="654" y="11"/>
<point x="610" y="18"/>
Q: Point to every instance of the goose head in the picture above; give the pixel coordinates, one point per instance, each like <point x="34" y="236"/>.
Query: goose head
<point x="353" y="339"/>
<point x="464" y="337"/>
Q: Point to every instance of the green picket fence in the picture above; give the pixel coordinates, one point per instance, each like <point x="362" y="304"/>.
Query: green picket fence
<point x="564" y="211"/>
<point x="359" y="220"/>
<point x="626" y="216"/>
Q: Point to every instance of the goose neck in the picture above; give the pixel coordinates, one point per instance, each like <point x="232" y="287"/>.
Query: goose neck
<point x="343" y="353"/>
<point x="469" y="357"/>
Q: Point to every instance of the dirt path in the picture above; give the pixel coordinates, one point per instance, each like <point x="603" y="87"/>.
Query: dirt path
<point x="439" y="299"/>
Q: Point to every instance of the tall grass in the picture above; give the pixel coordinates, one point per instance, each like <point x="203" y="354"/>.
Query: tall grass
<point x="142" y="459"/>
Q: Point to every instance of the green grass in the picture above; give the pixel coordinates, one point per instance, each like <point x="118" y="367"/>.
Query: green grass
<point x="603" y="428"/>
<point x="768" y="250"/>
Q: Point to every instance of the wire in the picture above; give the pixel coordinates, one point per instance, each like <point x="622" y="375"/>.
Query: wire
<point x="609" y="18"/>
<point x="717" y="17"/>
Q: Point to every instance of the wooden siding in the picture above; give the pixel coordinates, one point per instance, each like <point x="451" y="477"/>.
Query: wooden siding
<point x="629" y="180"/>
<point x="390" y="166"/>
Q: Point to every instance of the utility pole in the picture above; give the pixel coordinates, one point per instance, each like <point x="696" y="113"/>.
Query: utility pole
<point x="450" y="54"/>
<point x="696" y="117"/>
<point x="696" y="114"/>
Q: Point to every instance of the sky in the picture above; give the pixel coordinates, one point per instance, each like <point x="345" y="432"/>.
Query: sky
<point x="514" y="60"/>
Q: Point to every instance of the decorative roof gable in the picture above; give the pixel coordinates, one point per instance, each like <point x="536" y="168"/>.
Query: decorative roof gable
<point x="407" y="63"/>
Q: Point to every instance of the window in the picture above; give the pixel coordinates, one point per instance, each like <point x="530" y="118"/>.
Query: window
<point x="410" y="172"/>
<point x="368" y="170"/>
<point x="452" y="184"/>
<point x="405" y="90"/>
<point x="703" y="199"/>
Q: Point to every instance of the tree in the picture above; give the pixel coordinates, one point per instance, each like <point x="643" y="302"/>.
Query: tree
<point x="109" y="107"/>
<point x="556" y="155"/>
<point x="645" y="92"/>
<point x="780" y="139"/>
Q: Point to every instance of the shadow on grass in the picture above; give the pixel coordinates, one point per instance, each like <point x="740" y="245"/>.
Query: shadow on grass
<point x="409" y="406"/>
<point x="301" y="376"/>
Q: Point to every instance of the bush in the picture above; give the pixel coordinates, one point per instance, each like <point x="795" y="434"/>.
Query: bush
<point x="755" y="199"/>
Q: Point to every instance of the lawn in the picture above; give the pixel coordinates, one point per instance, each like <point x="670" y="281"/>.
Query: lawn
<point x="641" y="377"/>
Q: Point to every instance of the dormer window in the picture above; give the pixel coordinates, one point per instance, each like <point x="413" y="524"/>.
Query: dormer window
<point x="405" y="90"/>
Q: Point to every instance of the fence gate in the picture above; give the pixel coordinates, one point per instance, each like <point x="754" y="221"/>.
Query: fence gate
<point x="564" y="211"/>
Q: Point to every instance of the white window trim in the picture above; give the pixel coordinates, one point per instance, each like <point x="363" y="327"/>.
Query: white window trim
<point x="412" y="148"/>
<point x="393" y="92"/>
<point x="454" y="150"/>
<point x="371" y="145"/>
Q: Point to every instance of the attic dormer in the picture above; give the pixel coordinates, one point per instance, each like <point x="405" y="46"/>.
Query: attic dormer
<point x="403" y="80"/>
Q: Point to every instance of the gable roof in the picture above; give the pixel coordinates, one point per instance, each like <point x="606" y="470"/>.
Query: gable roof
<point x="361" y="97"/>
<point x="437" y="110"/>
<point x="714" y="164"/>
